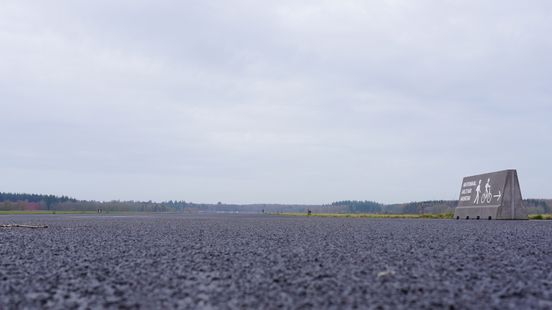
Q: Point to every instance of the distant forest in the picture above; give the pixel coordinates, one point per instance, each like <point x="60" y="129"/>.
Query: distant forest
<point x="37" y="202"/>
<point x="360" y="206"/>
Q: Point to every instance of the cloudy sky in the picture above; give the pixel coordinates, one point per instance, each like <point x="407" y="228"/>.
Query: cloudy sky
<point x="273" y="101"/>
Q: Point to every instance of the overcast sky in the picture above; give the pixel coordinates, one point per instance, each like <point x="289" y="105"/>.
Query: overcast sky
<point x="273" y="101"/>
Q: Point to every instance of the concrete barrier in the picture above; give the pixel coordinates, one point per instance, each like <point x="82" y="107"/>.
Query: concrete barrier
<point x="491" y="196"/>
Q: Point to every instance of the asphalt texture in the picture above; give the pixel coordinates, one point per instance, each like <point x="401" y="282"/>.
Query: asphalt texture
<point x="268" y="262"/>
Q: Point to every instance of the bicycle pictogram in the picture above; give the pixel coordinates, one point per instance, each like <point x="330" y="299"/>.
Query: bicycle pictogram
<point x="487" y="196"/>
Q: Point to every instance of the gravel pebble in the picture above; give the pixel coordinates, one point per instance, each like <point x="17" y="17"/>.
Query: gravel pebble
<point x="214" y="261"/>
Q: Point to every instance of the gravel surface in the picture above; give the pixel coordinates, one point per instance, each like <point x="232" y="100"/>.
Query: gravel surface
<point x="267" y="262"/>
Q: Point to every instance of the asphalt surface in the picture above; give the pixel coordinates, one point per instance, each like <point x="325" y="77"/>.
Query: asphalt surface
<point x="268" y="262"/>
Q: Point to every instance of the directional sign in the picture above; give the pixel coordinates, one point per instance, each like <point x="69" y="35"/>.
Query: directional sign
<point x="493" y="195"/>
<point x="484" y="189"/>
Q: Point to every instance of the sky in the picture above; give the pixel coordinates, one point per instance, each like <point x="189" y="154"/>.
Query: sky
<point x="273" y="101"/>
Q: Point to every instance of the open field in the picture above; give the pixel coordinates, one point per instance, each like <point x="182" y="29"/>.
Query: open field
<point x="338" y="215"/>
<point x="14" y="212"/>
<point x="266" y="261"/>
<point x="372" y="215"/>
<point x="43" y="212"/>
<point x="540" y="216"/>
<point x="397" y="216"/>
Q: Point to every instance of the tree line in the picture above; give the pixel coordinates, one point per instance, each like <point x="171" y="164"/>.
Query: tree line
<point x="357" y="206"/>
<point x="37" y="202"/>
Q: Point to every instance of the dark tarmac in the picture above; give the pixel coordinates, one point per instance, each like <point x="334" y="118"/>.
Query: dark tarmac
<point x="268" y="262"/>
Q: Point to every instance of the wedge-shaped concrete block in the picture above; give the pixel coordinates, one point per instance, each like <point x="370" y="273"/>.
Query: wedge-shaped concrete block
<point x="491" y="196"/>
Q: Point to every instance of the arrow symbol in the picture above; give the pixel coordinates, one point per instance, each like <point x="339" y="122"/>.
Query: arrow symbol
<point x="498" y="196"/>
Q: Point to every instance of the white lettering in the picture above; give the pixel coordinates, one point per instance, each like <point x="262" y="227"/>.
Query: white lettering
<point x="465" y="198"/>
<point x="469" y="183"/>
<point x="466" y="191"/>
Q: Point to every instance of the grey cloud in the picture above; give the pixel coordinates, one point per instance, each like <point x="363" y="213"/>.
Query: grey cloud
<point x="293" y="101"/>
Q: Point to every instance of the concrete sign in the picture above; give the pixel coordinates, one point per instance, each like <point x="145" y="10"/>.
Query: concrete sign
<point x="493" y="195"/>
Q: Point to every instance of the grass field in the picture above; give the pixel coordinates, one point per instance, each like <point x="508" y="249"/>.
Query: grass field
<point x="11" y="212"/>
<point x="19" y="212"/>
<point x="399" y="216"/>
<point x="338" y="215"/>
<point x="372" y="215"/>
<point x="540" y="216"/>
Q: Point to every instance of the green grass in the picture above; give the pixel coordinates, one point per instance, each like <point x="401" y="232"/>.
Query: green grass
<point x="398" y="216"/>
<point x="339" y="215"/>
<point x="21" y="212"/>
<point x="540" y="217"/>
<point x="16" y="212"/>
<point x="373" y="215"/>
<point x="12" y="212"/>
